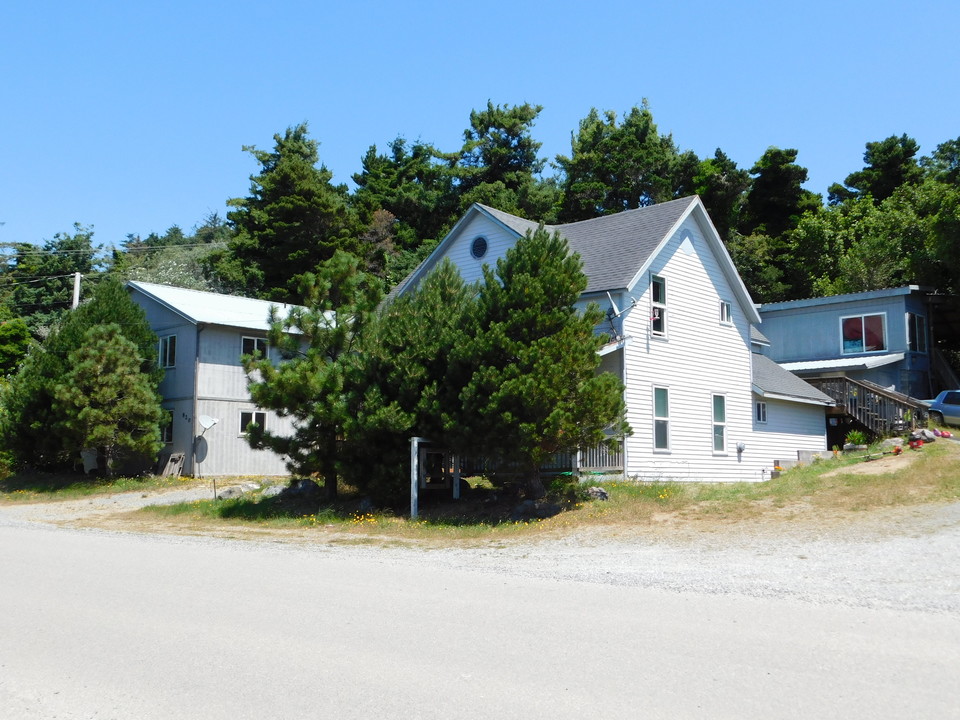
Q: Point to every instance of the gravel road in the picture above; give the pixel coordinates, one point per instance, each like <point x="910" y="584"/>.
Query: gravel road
<point x="856" y="617"/>
<point x="900" y="558"/>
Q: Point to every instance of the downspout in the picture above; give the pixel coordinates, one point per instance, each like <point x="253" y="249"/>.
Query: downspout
<point x="196" y="387"/>
<point x="623" y="380"/>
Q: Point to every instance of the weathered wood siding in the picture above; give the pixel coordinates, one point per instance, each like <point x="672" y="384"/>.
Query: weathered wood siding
<point x="227" y="451"/>
<point x="222" y="393"/>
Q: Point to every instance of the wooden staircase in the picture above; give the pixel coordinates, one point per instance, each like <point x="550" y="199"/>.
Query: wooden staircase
<point x="879" y="410"/>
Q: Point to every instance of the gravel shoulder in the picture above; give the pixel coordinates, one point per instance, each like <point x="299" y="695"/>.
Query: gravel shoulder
<point x="905" y="558"/>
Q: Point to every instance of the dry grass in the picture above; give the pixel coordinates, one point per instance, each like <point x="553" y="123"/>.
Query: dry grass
<point x="830" y="491"/>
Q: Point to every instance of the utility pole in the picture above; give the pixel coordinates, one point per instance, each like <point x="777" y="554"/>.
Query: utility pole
<point x="76" y="291"/>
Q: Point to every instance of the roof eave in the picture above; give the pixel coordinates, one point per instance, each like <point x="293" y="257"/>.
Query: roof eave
<point x="713" y="239"/>
<point x="163" y="303"/>
<point x="790" y="398"/>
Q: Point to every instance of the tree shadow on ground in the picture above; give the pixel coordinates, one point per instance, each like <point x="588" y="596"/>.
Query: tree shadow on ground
<point x="51" y="482"/>
<point x="477" y="506"/>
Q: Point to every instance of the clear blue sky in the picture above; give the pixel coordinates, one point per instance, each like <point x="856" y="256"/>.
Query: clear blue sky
<point x="130" y="116"/>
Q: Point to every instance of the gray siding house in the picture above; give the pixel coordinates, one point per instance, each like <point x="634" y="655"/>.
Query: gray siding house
<point x="202" y="336"/>
<point x="702" y="404"/>
<point x="881" y="336"/>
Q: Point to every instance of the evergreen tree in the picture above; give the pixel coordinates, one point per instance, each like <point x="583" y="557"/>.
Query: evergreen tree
<point x="104" y="401"/>
<point x="529" y="363"/>
<point x="890" y="163"/>
<point x="406" y="384"/>
<point x="615" y="167"/>
<point x="15" y="341"/>
<point x="414" y="184"/>
<point x="943" y="165"/>
<point x="498" y="164"/>
<point x="722" y="186"/>
<point x="30" y="427"/>
<point x="776" y="199"/>
<point x="315" y="386"/>
<point x="37" y="283"/>
<point x="293" y="219"/>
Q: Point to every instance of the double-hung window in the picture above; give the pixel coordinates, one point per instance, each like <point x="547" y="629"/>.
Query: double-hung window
<point x="863" y="333"/>
<point x="256" y="417"/>
<point x="661" y="418"/>
<point x="719" y="424"/>
<point x="658" y="306"/>
<point x="168" y="351"/>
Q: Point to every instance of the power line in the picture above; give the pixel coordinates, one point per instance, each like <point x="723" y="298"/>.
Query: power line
<point x="133" y="250"/>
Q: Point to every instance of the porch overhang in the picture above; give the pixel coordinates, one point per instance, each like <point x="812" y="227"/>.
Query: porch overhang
<point x="614" y="346"/>
<point x="789" y="398"/>
<point x="842" y="364"/>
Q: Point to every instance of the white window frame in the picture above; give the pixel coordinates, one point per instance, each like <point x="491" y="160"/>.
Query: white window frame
<point x="658" y="308"/>
<point x="257" y="342"/>
<point x="726" y="312"/>
<point x="863" y="316"/>
<point x="256" y="416"/>
<point x="166" y="357"/>
<point x="720" y="425"/>
<point x="918" y="342"/>
<point x="661" y="420"/>
<point x="760" y="412"/>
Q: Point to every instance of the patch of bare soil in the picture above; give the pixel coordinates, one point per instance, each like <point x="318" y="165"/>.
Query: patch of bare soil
<point x="878" y="464"/>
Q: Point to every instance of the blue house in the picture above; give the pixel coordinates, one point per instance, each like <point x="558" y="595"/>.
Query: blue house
<point x="875" y="353"/>
<point x="880" y="336"/>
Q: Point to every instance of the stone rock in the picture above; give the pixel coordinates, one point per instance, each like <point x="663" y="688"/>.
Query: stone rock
<point x="228" y="493"/>
<point x="598" y="493"/>
<point x="301" y="497"/>
<point x="892" y="443"/>
<point x="534" y="510"/>
<point x="272" y="491"/>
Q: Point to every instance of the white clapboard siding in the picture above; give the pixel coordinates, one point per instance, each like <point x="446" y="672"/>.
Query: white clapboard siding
<point x="499" y="240"/>
<point x="699" y="357"/>
<point x="790" y="427"/>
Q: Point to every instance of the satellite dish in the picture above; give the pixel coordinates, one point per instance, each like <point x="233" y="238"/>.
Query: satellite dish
<point x="207" y="422"/>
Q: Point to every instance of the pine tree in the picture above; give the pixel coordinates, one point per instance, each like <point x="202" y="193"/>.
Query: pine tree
<point x="314" y="387"/>
<point x="532" y="387"/>
<point x="104" y="401"/>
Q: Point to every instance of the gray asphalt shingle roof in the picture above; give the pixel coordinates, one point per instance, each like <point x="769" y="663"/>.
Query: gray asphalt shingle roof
<point x="773" y="379"/>
<point x="613" y="247"/>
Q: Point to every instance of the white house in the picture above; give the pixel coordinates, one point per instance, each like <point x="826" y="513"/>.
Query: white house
<point x="702" y="404"/>
<point x="202" y="336"/>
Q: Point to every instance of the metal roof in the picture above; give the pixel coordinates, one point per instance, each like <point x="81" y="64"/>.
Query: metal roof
<point x="200" y="307"/>
<point x="857" y="363"/>
<point x="773" y="380"/>
<point x="838" y="299"/>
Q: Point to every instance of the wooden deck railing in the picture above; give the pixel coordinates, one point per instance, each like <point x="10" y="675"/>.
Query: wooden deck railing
<point x="595" y="459"/>
<point x="878" y="409"/>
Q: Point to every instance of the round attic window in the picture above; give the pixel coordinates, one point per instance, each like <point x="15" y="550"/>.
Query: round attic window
<point x="479" y="247"/>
